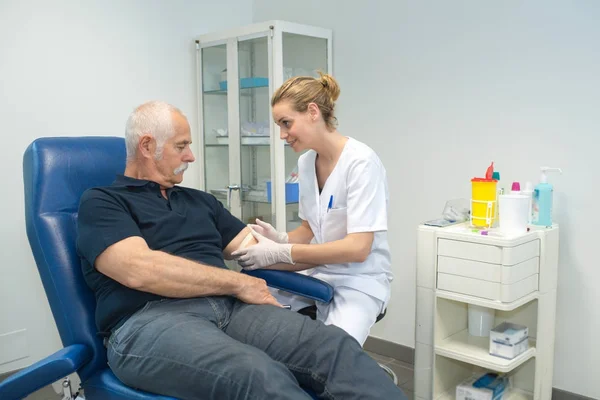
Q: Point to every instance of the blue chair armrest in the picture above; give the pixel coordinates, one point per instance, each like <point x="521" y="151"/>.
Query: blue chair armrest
<point x="45" y="372"/>
<point x="295" y="283"/>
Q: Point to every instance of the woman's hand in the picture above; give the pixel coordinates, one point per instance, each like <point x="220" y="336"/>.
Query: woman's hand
<point x="267" y="230"/>
<point x="263" y="254"/>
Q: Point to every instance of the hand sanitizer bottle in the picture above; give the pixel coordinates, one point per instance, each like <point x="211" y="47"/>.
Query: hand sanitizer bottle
<point x="542" y="199"/>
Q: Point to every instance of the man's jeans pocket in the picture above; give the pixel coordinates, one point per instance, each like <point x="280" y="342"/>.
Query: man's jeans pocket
<point x="125" y="331"/>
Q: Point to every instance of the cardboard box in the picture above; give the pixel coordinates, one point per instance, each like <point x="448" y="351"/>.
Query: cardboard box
<point x="490" y="386"/>
<point x="508" y="340"/>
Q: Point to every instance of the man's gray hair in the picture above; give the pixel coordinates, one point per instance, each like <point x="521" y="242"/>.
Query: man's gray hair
<point x="153" y="118"/>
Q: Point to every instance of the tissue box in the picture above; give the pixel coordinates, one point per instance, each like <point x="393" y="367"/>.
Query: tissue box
<point x="508" y="340"/>
<point x="490" y="386"/>
<point x="292" y="192"/>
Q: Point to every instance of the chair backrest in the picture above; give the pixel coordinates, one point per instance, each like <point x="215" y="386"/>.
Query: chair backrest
<point x="56" y="172"/>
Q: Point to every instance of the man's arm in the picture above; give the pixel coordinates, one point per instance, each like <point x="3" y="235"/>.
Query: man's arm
<point x="111" y="241"/>
<point x="133" y="264"/>
<point x="242" y="240"/>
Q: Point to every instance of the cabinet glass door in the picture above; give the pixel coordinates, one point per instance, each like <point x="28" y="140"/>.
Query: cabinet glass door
<point x="255" y="148"/>
<point x="214" y="120"/>
<point x="302" y="56"/>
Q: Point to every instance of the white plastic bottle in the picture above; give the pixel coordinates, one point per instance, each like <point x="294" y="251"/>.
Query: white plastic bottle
<point x="528" y="191"/>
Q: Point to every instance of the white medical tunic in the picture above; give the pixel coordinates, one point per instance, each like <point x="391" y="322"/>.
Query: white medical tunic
<point x="357" y="192"/>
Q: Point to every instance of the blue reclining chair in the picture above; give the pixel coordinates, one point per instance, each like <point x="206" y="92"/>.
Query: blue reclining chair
<point x="56" y="172"/>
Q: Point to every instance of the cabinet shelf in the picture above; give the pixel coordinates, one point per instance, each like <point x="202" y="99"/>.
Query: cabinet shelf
<point x="221" y="92"/>
<point x="496" y="305"/>
<point x="510" y="394"/>
<point x="475" y="350"/>
<point x="243" y="144"/>
<point x="244" y="90"/>
<point x="253" y="196"/>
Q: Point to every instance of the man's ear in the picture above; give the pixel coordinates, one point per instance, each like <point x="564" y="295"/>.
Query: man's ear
<point x="147" y="146"/>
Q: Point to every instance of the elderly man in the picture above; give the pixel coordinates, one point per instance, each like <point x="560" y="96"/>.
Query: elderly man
<point x="176" y="320"/>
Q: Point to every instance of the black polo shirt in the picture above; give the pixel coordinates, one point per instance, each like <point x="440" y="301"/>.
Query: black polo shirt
<point x="190" y="224"/>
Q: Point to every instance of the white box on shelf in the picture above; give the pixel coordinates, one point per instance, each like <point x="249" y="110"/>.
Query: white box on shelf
<point x="509" y="340"/>
<point x="509" y="351"/>
<point x="509" y="333"/>
<point x="486" y="387"/>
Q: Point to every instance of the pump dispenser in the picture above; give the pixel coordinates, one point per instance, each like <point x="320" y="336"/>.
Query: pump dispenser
<point x="543" y="198"/>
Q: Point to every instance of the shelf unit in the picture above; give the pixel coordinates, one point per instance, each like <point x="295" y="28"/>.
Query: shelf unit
<point x="445" y="353"/>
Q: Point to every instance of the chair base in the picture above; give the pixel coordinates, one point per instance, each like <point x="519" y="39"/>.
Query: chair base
<point x="66" y="387"/>
<point x="391" y="373"/>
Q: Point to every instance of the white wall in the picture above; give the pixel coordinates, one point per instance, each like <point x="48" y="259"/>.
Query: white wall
<point x="70" y="68"/>
<point x="441" y="88"/>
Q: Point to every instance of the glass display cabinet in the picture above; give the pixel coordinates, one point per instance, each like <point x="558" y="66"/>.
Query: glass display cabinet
<point x="243" y="162"/>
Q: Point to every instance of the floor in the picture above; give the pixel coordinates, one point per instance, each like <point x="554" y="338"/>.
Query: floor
<point x="403" y="371"/>
<point x="46" y="393"/>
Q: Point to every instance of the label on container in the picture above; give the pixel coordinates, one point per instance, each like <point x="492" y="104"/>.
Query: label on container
<point x="535" y="206"/>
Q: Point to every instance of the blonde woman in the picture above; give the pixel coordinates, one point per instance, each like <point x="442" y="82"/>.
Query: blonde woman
<point x="343" y="207"/>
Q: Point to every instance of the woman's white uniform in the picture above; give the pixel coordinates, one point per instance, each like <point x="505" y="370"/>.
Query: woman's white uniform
<point x="354" y="199"/>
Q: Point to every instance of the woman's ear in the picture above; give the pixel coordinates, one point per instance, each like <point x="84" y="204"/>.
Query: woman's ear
<point x="313" y="111"/>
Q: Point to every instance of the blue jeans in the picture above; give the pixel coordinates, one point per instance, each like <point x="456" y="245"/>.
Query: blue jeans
<point x="221" y="348"/>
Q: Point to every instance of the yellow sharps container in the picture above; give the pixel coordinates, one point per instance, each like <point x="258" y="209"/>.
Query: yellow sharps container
<point x="484" y="202"/>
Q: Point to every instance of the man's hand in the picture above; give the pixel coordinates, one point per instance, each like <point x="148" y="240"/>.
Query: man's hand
<point x="263" y="254"/>
<point x="267" y="230"/>
<point x="255" y="291"/>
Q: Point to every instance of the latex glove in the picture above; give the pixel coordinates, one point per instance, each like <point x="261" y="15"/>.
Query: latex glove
<point x="263" y="254"/>
<point x="267" y="230"/>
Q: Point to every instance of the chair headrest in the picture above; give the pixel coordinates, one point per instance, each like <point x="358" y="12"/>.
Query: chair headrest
<point x="62" y="168"/>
